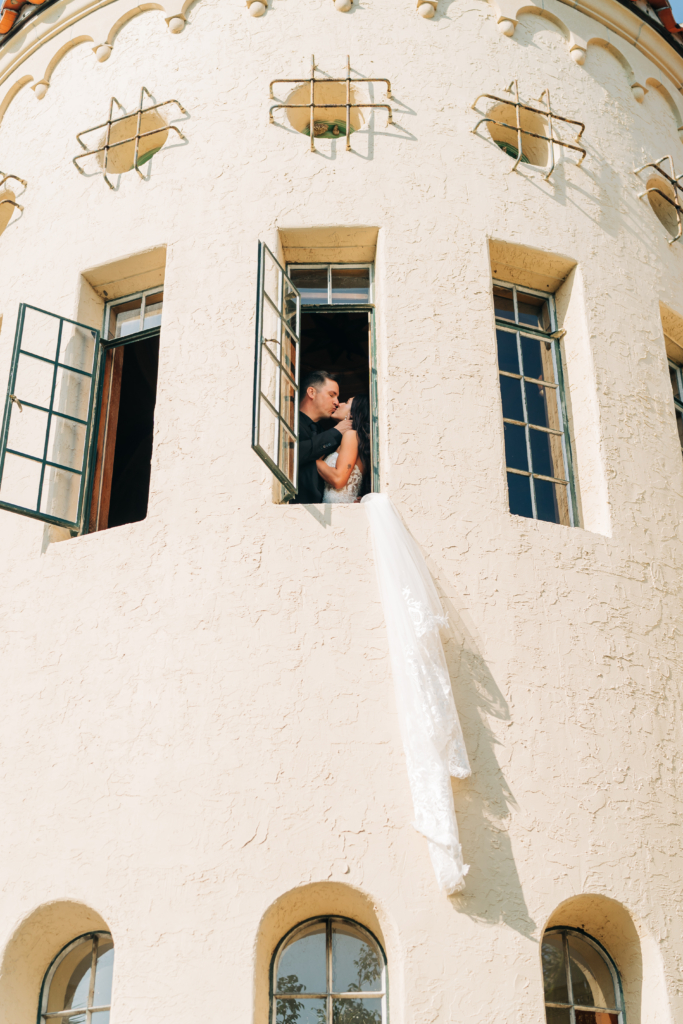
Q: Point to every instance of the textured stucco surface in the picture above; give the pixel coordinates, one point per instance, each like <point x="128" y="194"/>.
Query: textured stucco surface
<point x="198" y="712"/>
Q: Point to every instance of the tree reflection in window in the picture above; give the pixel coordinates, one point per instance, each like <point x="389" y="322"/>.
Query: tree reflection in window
<point x="329" y="971"/>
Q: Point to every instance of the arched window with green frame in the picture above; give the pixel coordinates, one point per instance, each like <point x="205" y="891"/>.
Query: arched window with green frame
<point x="580" y="979"/>
<point x="77" y="986"/>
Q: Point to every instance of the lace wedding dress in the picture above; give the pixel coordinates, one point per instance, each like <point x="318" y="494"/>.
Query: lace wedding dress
<point x="347" y="495"/>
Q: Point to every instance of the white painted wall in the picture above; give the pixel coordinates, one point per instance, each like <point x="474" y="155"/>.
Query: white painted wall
<point x="198" y="713"/>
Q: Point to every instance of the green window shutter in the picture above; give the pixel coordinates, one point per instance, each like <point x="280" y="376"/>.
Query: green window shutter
<point x="275" y="424"/>
<point x="48" y="421"/>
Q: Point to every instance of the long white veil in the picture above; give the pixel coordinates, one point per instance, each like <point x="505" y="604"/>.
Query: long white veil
<point x="432" y="737"/>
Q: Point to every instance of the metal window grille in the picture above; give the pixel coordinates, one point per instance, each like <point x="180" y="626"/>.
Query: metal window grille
<point x="537" y="444"/>
<point x="313" y="106"/>
<point x="579" y="973"/>
<point x="676" y="375"/>
<point x="674" y="182"/>
<point x="48" y="418"/>
<point x="83" y="982"/>
<point x="545" y="111"/>
<point x="135" y="138"/>
<point x="3" y="179"/>
<point x="275" y="423"/>
<point x="317" y="977"/>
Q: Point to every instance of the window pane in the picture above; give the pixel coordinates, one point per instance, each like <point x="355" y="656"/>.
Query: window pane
<point x="555" y="1016"/>
<point x="153" y="308"/>
<point x="592" y="983"/>
<point x="268" y="432"/>
<point x="511" y="394"/>
<point x="103" y="977"/>
<point x="66" y="445"/>
<point x="356" y="966"/>
<point x="34" y="380"/>
<point x="508" y="358"/>
<point x="554" y="970"/>
<point x="589" y="1017"/>
<point x="357" y="1011"/>
<point x="290" y="303"/>
<point x="350" y="284"/>
<point x="515" y="447"/>
<point x="271" y="279"/>
<point x="270" y="373"/>
<point x="289" y="353"/>
<point x="126" y="318"/>
<point x="503" y="303"/>
<point x="679" y="424"/>
<point x="71" y="981"/>
<point x="72" y="393"/>
<point x="286" y="462"/>
<point x="101" y="1018"/>
<point x="27" y="430"/>
<point x="78" y="347"/>
<point x="302" y="965"/>
<point x="301" y="1011"/>
<point x="20" y="482"/>
<point x="311" y="283"/>
<point x="537" y="357"/>
<point x="287" y="402"/>
<point x="533" y="310"/>
<point x="538" y="399"/>
<point x="519" y="494"/>
<point x="61" y="491"/>
<point x="674" y="381"/>
<point x="546" y="454"/>
<point x="40" y="334"/>
<point x="552" y="503"/>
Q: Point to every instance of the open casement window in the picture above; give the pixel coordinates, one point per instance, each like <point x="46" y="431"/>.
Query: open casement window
<point x="48" y="420"/>
<point x="275" y="424"/>
<point x="538" y="456"/>
<point x="676" y="375"/>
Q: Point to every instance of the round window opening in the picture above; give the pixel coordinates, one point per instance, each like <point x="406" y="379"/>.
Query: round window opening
<point x="661" y="207"/>
<point x="80" y="979"/>
<point x="580" y="980"/>
<point x="329" y="121"/>
<point x="120" y="157"/>
<point x="329" y="971"/>
<point x="7" y="208"/>
<point x="504" y="133"/>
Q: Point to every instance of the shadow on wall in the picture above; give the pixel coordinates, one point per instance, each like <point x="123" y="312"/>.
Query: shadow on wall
<point x="484" y="802"/>
<point x="30" y="951"/>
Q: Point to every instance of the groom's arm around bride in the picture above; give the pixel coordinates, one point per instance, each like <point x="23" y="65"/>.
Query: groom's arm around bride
<point x="319" y="400"/>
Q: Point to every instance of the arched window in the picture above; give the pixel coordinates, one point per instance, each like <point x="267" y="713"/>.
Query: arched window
<point x="581" y="982"/>
<point x="77" y="986"/>
<point x="329" y="970"/>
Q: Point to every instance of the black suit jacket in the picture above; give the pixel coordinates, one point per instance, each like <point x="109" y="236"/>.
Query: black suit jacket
<point x="312" y="446"/>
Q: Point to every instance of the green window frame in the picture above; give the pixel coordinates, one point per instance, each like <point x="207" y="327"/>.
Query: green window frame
<point x="80" y="961"/>
<point x="538" y="455"/>
<point x="362" y="1001"/>
<point x="48" y="418"/>
<point x="275" y="415"/>
<point x="579" y="973"/>
<point x="676" y="376"/>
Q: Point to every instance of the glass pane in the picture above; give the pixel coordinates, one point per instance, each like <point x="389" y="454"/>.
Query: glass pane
<point x="350" y="284"/>
<point x="20" y="482"/>
<point x="268" y="435"/>
<point x="508" y="359"/>
<point x="289" y="353"/>
<point x="61" y="490"/>
<point x="554" y="970"/>
<point x="537" y="357"/>
<point x="357" y="1011"/>
<point x="533" y="310"/>
<point x="40" y="334"/>
<point x="301" y="1011"/>
<point x="546" y="454"/>
<point x="270" y="327"/>
<point x="356" y="965"/>
<point x="519" y="495"/>
<point x="270" y="372"/>
<point x="72" y="393"/>
<point x="104" y="973"/>
<point x="271" y="279"/>
<point x="71" y="982"/>
<point x="78" y="347"/>
<point x="589" y="1017"/>
<point x="288" y="402"/>
<point x="27" y="431"/>
<point x="555" y="1016"/>
<point x="538" y="405"/>
<point x="674" y="381"/>
<point x="515" y="447"/>
<point x="311" y="283"/>
<point x="127" y="318"/>
<point x="592" y="983"/>
<point x="34" y="381"/>
<point x="301" y="967"/>
<point x="552" y="502"/>
<point x="503" y="303"/>
<point x="77" y="1018"/>
<point x="100" y="1018"/>
<point x="67" y="442"/>
<point x="679" y="425"/>
<point x="290" y="305"/>
<point x="511" y="394"/>
<point x="153" y="306"/>
<point x="287" y="444"/>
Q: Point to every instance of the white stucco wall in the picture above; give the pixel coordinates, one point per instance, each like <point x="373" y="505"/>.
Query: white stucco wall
<point x="198" y="711"/>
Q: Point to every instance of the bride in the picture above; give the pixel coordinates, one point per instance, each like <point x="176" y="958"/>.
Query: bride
<point x="346" y="472"/>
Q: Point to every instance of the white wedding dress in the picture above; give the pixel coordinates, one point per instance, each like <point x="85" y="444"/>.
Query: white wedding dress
<point x="347" y="495"/>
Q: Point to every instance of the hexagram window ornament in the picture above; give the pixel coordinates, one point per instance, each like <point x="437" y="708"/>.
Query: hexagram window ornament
<point x="545" y="111"/>
<point x="115" y="126"/>
<point x="671" y="181"/>
<point x="330" y="129"/>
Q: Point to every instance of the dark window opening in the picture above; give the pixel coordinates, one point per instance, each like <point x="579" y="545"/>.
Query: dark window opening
<point x="339" y="343"/>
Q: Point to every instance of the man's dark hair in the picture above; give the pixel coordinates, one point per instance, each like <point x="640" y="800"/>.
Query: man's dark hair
<point x="315" y="379"/>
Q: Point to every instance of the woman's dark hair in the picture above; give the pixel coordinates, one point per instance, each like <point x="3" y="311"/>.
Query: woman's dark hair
<point x="360" y="415"/>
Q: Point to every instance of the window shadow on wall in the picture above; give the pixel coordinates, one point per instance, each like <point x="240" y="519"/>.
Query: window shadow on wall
<point x="485" y="802"/>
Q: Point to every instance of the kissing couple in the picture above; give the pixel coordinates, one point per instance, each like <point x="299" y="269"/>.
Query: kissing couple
<point x="334" y="461"/>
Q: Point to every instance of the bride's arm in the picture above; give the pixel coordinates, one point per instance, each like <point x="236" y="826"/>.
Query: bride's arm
<point x="338" y="476"/>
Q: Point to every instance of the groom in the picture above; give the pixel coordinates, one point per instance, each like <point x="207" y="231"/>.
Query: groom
<point x="319" y="399"/>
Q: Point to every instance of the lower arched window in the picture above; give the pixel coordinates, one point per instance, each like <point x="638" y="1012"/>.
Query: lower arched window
<point x="581" y="982"/>
<point x="77" y="986"/>
<point x="329" y="970"/>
